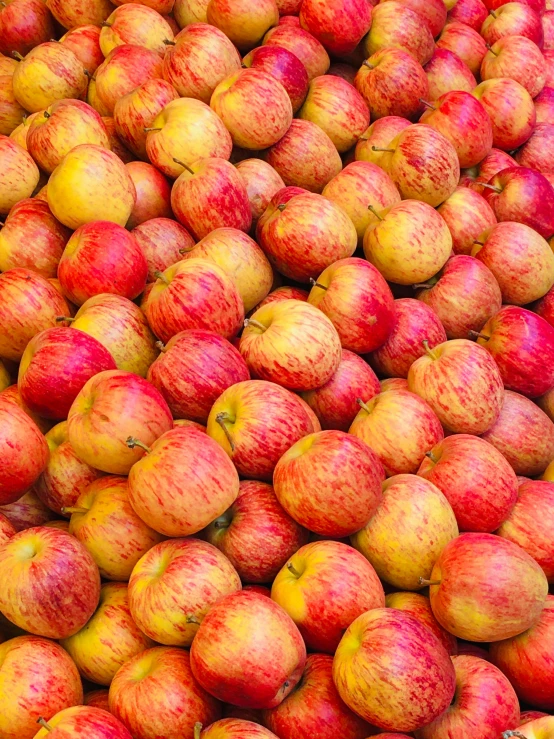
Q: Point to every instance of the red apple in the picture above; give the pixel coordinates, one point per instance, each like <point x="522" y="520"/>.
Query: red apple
<point x="545" y="307"/>
<point x="484" y="588"/>
<point x="433" y="13"/>
<point x="528" y="716"/>
<point x="162" y="242"/>
<point x="447" y="72"/>
<point x="233" y="727"/>
<point x="477" y="177"/>
<point x="155" y="694"/>
<point x="7" y="529"/>
<point x="124" y="69"/>
<point x="142" y="26"/>
<point x="513" y="19"/>
<point x="262" y="182"/>
<point x="419" y="606"/>
<point x="465" y="42"/>
<point x="243" y="24"/>
<point x="361" y="670"/>
<point x="20" y="175"/>
<point x="511" y="111"/>
<point x="469" y="12"/>
<point x="485" y="702"/>
<point x="24" y="24"/>
<point x="476" y="479"/>
<point x="286" y="292"/>
<point x="340" y="26"/>
<point x="27" y="511"/>
<point x="535" y="153"/>
<point x="287" y="69"/>
<point x="544" y="105"/>
<point x="84" y="42"/>
<point x="97" y="698"/>
<point x="26" y="595"/>
<point x="519" y="58"/>
<point x="302" y="44"/>
<point x="153" y="194"/>
<point x="462" y="385"/>
<point x="12" y="114"/>
<point x="397" y="25"/>
<point x="256" y="667"/>
<point x="96" y="722"/>
<point x="70" y="14"/>
<point x="467" y="215"/>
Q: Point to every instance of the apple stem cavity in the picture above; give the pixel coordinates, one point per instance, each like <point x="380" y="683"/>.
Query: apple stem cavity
<point x="197" y="730"/>
<point x="363" y="405"/>
<point x="169" y="42"/>
<point x="44" y="724"/>
<point x="422" y="581"/>
<point x="182" y="164"/>
<point x="314" y="283"/>
<point x="46" y="114"/>
<point x="253" y="322"/>
<point x="431" y="457"/>
<point x="18" y="56"/>
<point x="132" y="443"/>
<point x="367" y="64"/>
<point x="478" y="335"/>
<point x="372" y="209"/>
<point x="428" y="349"/>
<point x="281" y="207"/>
<point x="221" y="418"/>
<point x="160" y="276"/>
<point x="161" y="346"/>
<point x="105" y="24"/>
<point x="74" y="509"/>
<point x="221" y="524"/>
<point x="192" y="620"/>
<point x="427" y="105"/>
<point x="292" y="569"/>
<point x="491" y="12"/>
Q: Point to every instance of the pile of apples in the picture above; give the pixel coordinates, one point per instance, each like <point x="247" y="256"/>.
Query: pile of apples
<point x="277" y="369"/>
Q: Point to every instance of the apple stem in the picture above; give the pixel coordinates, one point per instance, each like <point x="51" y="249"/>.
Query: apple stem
<point x="221" y="524"/>
<point x="478" y="335"/>
<point x="427" y="105"/>
<point x="281" y="207"/>
<point x="44" y="724"/>
<point x="220" y="419"/>
<point x="18" y="56"/>
<point x="186" y="251"/>
<point x="147" y="130"/>
<point x="380" y="148"/>
<point x="192" y="620"/>
<point x="423" y="581"/>
<point x="481" y="243"/>
<point x="87" y="73"/>
<point x="161" y="346"/>
<point x="182" y="164"/>
<point x="491" y="187"/>
<point x="197" y="730"/>
<point x="491" y="51"/>
<point x="314" y="283"/>
<point x="169" y="42"/>
<point x="59" y="319"/>
<point x="428" y="349"/>
<point x="363" y="405"/>
<point x="422" y="286"/>
<point x="367" y="64"/>
<point x="253" y="322"/>
<point x="372" y="209"/>
<point x="517" y="734"/>
<point x="493" y="13"/>
<point x="105" y="24"/>
<point x="292" y="569"/>
<point x="132" y="443"/>
<point x="431" y="457"/>
<point x="46" y="114"/>
<point x="74" y="509"/>
<point x="160" y="276"/>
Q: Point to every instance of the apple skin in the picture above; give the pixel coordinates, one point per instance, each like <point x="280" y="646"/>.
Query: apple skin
<point x="12" y="114"/>
<point x="381" y="78"/>
<point x="55" y="367"/>
<point x="528" y="716"/>
<point x="140" y="26"/>
<point x="467" y="215"/>
<point x="504" y="59"/>
<point x="535" y="152"/>
<point x="77" y="721"/>
<point x="538" y="728"/>
<point x="477" y="177"/>
<point x="335" y="403"/>
<point x="124" y="69"/>
<point x="399" y="427"/>
<point x="185" y="510"/>
<point x="175" y="584"/>
<point x="84" y="42"/>
<point x="545" y="308"/>
<point x="544" y="105"/>
<point x="418" y="606"/>
<point x="269" y="345"/>
<point x="65" y="477"/>
<point x="136" y="408"/>
<point x="415" y="322"/>
<point x="103" y="520"/>
<point x="305" y="156"/>
<point x="285" y="292"/>
<point x="71" y="14"/>
<point x="465" y="42"/>
<point x="361" y="182"/>
<point x="29" y="667"/>
<point x="263" y="420"/>
<point x="240" y="22"/>
<point x="24" y="25"/>
<point x="444" y="374"/>
<point x="228" y="661"/>
<point x="531" y="523"/>
<point x="340" y="26"/>
<point x="526" y="660"/>
<point x="27" y="511"/>
<point x="447" y="72"/>
<point x="109" y="639"/>
<point x="161" y="240"/>
<point x="25" y="594"/>
<point x="358" y="301"/>
<point x="261" y="181"/>
<point x="20" y="175"/>
<point x="399" y="26"/>
<point x="522" y="345"/>
<point x="315" y="707"/>
<point x="7" y="529"/>
<point x="97" y="699"/>
<point x="228" y="728"/>
<point x="486" y="588"/>
<point x="407" y="532"/>
<point x="192" y="371"/>
<point x="432" y="12"/>
<point x="91" y="184"/>
<point x="511" y="111"/>
<point x="461" y="118"/>
<point x="285" y="67"/>
<point x="477" y="480"/>
<point x="364" y="682"/>
<point x="153" y="194"/>
<point x="303" y="45"/>
<point x="32" y="238"/>
<point x="255" y="514"/>
<point x="155" y="694"/>
<point x="485" y="702"/>
<point x="408" y="243"/>
<point x="513" y="20"/>
<point x="24" y="452"/>
<point x="305" y="235"/>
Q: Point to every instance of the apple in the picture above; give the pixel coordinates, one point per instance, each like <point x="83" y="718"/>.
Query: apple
<point x="361" y="670"/>
<point x="548" y="55"/>
<point x="446" y="72"/>
<point x="461" y="384"/>
<point x="285" y="292"/>
<point x="71" y="14"/>
<point x="141" y="26"/>
<point x="519" y="58"/>
<point x="392" y="82"/>
<point x="29" y="667"/>
<point x="75" y="721"/>
<point x="156" y="694"/>
<point x="395" y="24"/>
<point x="27" y="511"/>
<point x="433" y="13"/>
<point x="19" y="176"/>
<point x="7" y="529"/>
<point x="469" y="12"/>
<point x="485" y="588"/>
<point x="270" y="345"/>
<point x="285" y="67"/>
<point x="230" y="727"/>
<point x="163" y="241"/>
<point x="97" y="699"/>
<point x="544" y="105"/>
<point x="193" y="370"/>
<point x="174" y="585"/>
<point x="465" y="42"/>
<point x="485" y="702"/>
<point x="23" y="25"/>
<point x="49" y="72"/>
<point x="538" y="729"/>
<point x="153" y="194"/>
<point x="190" y="11"/>
<point x="535" y="152"/>
<point x="187" y="509"/>
<point x="91" y="184"/>
<point x="407" y="532"/>
<point x="255" y="667"/>
<point x="26" y="596"/>
<point x="32" y="238"/>
<point x="467" y="215"/>
<point x="526" y="662"/>
<point x="521" y="344"/>
<point x="527" y="716"/>
<point x="256" y="422"/>
<point x="340" y="26"/>
<point x="408" y="242"/>
<point x="305" y="235"/>
<point x="124" y="69"/>
<point x="399" y="427"/>
<point x="194" y="294"/>
<point x="303" y="45"/>
<point x="476" y="178"/>
<point x="12" y="114"/>
<point x="418" y="605"/>
<point x="84" y="42"/>
<point x="543" y="307"/>
<point x="136" y="408"/>
<point x="475" y="477"/>
<point x="513" y="19"/>
<point x="510" y="108"/>
<point x="261" y="181"/>
<point x="115" y="143"/>
<point x="240" y="22"/>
